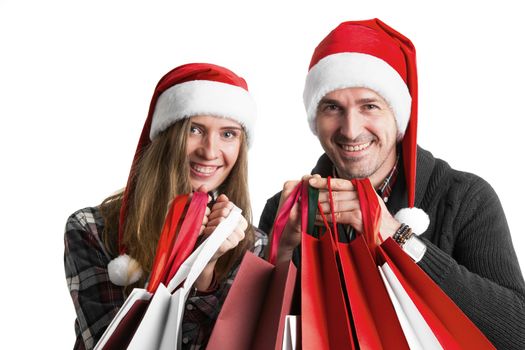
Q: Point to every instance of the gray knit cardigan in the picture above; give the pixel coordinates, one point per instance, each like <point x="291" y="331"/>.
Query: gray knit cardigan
<point x="470" y="253"/>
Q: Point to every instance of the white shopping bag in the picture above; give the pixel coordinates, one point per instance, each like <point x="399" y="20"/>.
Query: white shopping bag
<point x="417" y="332"/>
<point x="161" y="326"/>
<point x="166" y="306"/>
<point x="291" y="332"/>
<point x="136" y="295"/>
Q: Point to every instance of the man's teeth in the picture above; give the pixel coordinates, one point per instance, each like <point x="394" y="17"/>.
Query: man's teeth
<point x="204" y="169"/>
<point x="356" y="148"/>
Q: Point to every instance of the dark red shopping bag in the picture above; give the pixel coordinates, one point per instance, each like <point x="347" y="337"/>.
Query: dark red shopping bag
<point x="254" y="312"/>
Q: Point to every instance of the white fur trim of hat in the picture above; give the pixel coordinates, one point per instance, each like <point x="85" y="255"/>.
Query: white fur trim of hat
<point x="204" y="97"/>
<point x="353" y="69"/>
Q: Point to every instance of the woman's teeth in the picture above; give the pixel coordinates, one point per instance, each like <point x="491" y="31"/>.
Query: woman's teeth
<point x="203" y="169"/>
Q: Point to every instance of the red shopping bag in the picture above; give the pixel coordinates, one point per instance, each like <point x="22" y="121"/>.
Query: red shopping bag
<point x="375" y="321"/>
<point x="446" y="325"/>
<point x="119" y="333"/>
<point x="452" y="328"/>
<point x="325" y="322"/>
<point x="254" y="312"/>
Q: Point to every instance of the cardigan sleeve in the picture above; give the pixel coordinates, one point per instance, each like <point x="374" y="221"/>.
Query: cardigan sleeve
<point x="478" y="268"/>
<point x="269" y="212"/>
<point x="95" y="298"/>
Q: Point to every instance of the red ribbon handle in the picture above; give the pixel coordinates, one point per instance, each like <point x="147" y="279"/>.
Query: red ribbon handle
<point x="370" y="211"/>
<point x="281" y="220"/>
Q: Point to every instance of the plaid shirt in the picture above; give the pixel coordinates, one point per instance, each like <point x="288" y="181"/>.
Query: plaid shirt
<point x="97" y="299"/>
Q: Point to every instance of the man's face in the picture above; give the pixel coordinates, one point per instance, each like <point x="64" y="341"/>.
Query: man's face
<point x="358" y="131"/>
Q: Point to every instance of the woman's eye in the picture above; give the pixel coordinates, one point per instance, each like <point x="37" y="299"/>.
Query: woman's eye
<point x="229" y="134"/>
<point x="194" y="130"/>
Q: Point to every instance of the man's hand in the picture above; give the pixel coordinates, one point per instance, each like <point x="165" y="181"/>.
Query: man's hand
<point x="291" y="237"/>
<point x="346" y="206"/>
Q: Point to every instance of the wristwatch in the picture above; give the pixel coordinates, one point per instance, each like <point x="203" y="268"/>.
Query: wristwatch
<point x="409" y="242"/>
<point x="415" y="248"/>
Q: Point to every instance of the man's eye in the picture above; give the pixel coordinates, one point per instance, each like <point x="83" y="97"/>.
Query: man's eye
<point x="370" y="106"/>
<point x="331" y="108"/>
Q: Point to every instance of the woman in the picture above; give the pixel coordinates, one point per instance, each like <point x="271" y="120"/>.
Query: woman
<point x="195" y="138"/>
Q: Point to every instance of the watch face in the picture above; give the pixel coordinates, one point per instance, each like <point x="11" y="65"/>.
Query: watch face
<point x="415" y="248"/>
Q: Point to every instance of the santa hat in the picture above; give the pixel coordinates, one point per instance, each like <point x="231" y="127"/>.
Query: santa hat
<point x="188" y="90"/>
<point x="372" y="55"/>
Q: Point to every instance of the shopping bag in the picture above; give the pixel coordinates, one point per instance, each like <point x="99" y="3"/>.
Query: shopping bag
<point x="292" y="333"/>
<point x="450" y="326"/>
<point x="253" y="315"/>
<point x="189" y="272"/>
<point x="374" y="318"/>
<point x="161" y="326"/>
<point x="123" y="326"/>
<point x="428" y="317"/>
<point x="147" y="306"/>
<point x="325" y="322"/>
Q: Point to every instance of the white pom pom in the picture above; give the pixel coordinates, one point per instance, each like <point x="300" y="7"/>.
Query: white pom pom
<point x="124" y="270"/>
<point x="416" y="218"/>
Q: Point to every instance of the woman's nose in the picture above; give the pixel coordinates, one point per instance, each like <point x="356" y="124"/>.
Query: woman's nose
<point x="208" y="147"/>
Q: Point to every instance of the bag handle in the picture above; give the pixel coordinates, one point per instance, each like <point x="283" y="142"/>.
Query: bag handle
<point x="194" y="264"/>
<point x="370" y="211"/>
<point x="332" y="231"/>
<point x="188" y="234"/>
<point x="166" y="240"/>
<point x="281" y="220"/>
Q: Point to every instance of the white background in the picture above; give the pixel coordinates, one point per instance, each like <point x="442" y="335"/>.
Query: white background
<point x="76" y="80"/>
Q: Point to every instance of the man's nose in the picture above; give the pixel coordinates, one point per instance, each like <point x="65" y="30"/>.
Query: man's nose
<point x="352" y="124"/>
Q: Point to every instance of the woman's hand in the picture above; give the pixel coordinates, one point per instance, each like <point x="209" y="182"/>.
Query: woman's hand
<point x="220" y="210"/>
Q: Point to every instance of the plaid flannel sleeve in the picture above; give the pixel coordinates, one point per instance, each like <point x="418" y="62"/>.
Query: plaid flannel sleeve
<point x="202" y="310"/>
<point x="95" y="298"/>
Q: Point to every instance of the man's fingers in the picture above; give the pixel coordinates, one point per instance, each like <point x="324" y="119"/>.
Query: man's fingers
<point x="336" y="184"/>
<point x="339" y="206"/>
<point x="352" y="218"/>
<point x="337" y="196"/>
<point x="289" y="186"/>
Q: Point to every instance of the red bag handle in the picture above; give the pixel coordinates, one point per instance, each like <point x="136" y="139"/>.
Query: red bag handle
<point x="188" y="234"/>
<point x="335" y="234"/>
<point x="370" y="211"/>
<point x="167" y="237"/>
<point x="281" y="220"/>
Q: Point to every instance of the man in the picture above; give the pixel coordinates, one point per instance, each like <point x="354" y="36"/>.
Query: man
<point x="361" y="101"/>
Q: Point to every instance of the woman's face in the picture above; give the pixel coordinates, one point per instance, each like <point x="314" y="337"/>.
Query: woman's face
<point x="212" y="149"/>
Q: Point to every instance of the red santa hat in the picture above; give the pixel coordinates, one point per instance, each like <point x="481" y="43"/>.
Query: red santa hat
<point x="372" y="55"/>
<point x="188" y="90"/>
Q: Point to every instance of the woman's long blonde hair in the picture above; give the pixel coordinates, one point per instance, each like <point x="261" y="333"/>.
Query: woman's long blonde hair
<point x="162" y="172"/>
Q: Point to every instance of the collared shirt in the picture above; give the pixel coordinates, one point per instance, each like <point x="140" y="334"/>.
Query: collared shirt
<point x="97" y="300"/>
<point x="385" y="189"/>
